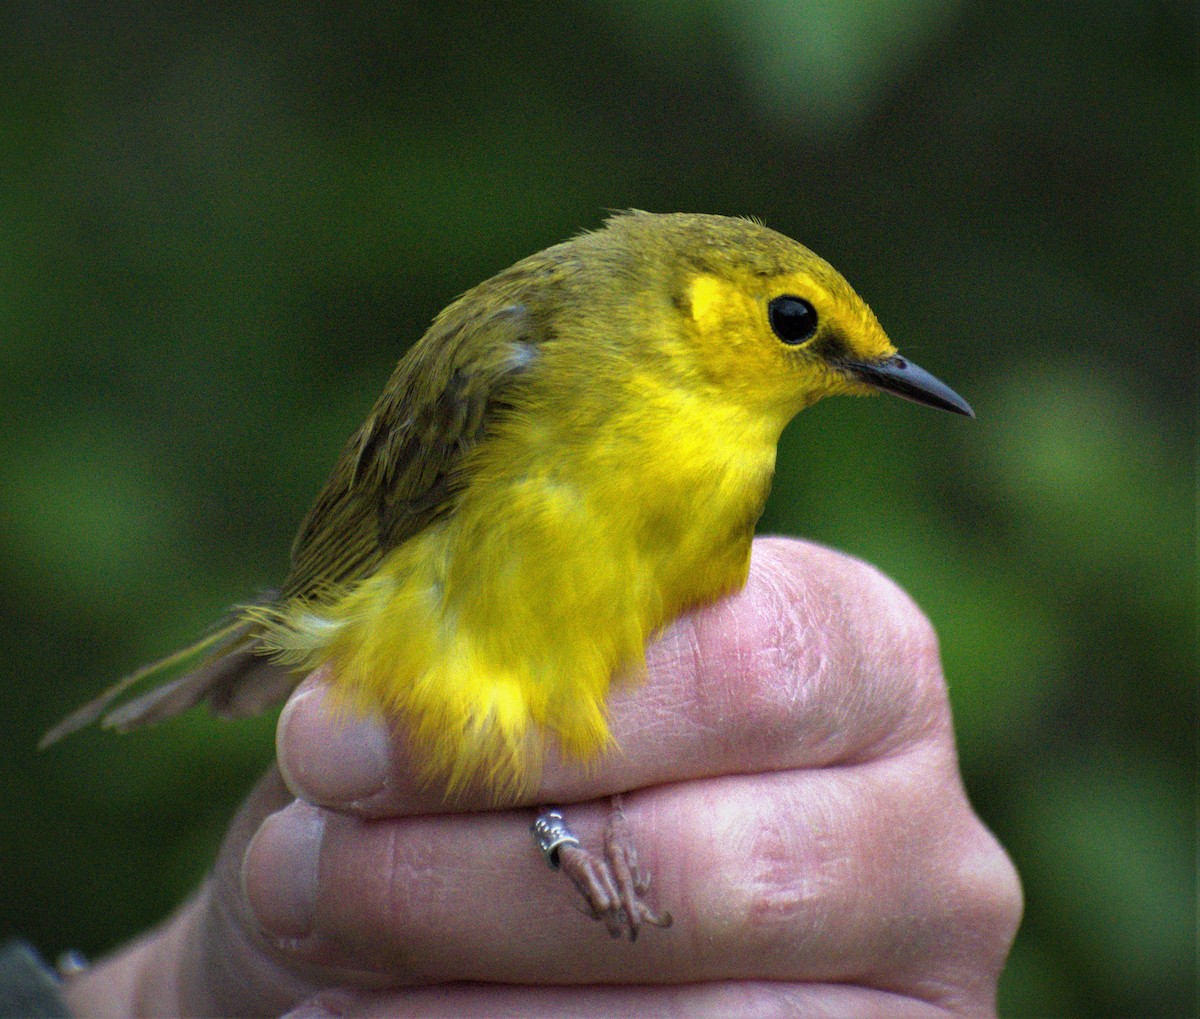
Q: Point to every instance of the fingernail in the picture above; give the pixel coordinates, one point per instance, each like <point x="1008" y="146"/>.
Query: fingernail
<point x="328" y="756"/>
<point x="281" y="868"/>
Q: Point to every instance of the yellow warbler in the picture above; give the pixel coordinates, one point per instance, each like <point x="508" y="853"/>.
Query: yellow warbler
<point x="575" y="452"/>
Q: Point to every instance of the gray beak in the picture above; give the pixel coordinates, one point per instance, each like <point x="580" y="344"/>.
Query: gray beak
<point x="900" y="377"/>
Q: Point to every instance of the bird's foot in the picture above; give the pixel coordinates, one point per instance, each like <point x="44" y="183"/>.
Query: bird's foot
<point x="612" y="885"/>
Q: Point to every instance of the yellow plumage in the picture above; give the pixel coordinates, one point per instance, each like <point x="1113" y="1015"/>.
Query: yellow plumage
<point x="576" y="452"/>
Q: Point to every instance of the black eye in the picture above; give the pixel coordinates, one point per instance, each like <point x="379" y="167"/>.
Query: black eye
<point x="793" y="318"/>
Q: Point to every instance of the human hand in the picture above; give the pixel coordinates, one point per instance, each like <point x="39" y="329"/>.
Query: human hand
<point x="791" y="782"/>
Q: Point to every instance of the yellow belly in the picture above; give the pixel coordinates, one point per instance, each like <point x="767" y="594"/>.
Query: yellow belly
<point x="508" y="619"/>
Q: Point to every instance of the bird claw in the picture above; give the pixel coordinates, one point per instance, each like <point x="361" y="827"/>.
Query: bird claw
<point x="632" y="882"/>
<point x="612" y="885"/>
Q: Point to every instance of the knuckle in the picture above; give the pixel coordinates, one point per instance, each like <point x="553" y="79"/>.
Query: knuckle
<point x="779" y="874"/>
<point x="892" y="626"/>
<point x="823" y="653"/>
<point x="898" y="665"/>
<point x="969" y="887"/>
<point x="974" y="902"/>
<point x="988" y="896"/>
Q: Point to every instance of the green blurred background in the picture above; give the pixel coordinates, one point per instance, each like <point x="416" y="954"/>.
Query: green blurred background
<point x="219" y="228"/>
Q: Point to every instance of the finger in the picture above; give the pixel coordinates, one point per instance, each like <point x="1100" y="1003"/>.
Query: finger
<point x="820" y="660"/>
<point x="724" y="1000"/>
<point x="211" y="957"/>
<point x="876" y="875"/>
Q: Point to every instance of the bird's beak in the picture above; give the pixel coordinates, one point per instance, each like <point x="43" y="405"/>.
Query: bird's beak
<point x="900" y="377"/>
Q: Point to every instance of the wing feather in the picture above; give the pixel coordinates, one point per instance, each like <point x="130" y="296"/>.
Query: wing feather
<point x="399" y="471"/>
<point x="396" y="475"/>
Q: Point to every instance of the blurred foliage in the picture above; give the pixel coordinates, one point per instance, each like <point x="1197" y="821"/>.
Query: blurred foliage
<point x="220" y="227"/>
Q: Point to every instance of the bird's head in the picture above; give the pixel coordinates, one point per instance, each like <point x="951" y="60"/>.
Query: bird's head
<point x="770" y="320"/>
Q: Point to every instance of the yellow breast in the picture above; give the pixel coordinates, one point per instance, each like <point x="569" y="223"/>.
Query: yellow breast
<point x="510" y="618"/>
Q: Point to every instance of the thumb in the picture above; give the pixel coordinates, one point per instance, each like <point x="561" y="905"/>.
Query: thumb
<point x="224" y="964"/>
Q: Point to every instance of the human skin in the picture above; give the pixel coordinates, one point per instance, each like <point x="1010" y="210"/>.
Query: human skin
<point x="791" y="782"/>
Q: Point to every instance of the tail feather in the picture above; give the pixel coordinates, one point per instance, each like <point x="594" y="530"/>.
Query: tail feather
<point x="232" y="677"/>
<point x="235" y="685"/>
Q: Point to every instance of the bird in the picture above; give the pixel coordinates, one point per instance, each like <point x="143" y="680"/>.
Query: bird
<point x="576" y="452"/>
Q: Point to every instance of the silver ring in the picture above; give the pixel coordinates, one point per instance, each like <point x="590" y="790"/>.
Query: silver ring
<point x="551" y="833"/>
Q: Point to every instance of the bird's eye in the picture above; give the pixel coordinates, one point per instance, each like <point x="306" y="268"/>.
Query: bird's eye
<point x="793" y="318"/>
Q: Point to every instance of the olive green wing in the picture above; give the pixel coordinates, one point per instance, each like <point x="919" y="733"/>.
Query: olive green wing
<point x="399" y="471"/>
<point x="396" y="475"/>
